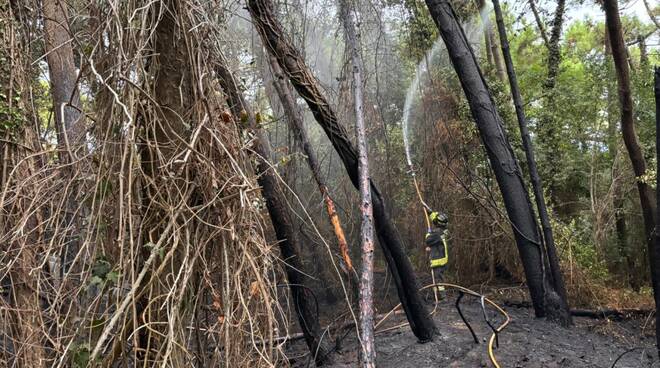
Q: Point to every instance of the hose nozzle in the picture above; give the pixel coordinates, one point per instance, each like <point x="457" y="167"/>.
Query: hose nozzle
<point x="411" y="170"/>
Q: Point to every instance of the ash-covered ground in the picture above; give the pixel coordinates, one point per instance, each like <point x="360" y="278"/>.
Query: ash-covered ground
<point x="526" y="342"/>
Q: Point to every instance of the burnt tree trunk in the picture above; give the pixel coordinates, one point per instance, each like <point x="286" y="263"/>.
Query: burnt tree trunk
<point x="619" y="55"/>
<point x="280" y="217"/>
<point x="292" y="63"/>
<point x="539" y="22"/>
<point x="537" y="185"/>
<point x="546" y="301"/>
<point x="655" y="260"/>
<point x="297" y="126"/>
<point x="618" y="178"/>
<point x="366" y="302"/>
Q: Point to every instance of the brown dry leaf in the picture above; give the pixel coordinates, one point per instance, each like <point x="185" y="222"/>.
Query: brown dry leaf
<point x="254" y="288"/>
<point x="226" y="116"/>
<point x="217" y="305"/>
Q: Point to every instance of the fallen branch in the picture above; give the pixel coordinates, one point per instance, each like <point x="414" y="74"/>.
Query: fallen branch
<point x="616" y="314"/>
<point x="599" y="313"/>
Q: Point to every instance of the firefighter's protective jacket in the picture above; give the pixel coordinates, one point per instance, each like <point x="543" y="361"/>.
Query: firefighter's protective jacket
<point x="436" y="240"/>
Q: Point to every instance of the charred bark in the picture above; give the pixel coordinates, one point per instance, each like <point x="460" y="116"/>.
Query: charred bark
<point x="611" y="314"/>
<point x="285" y="233"/>
<point x="292" y="63"/>
<point x="655" y="254"/>
<point x="368" y="350"/>
<point x="537" y="185"/>
<point x="619" y="55"/>
<point x="296" y="124"/>
<point x="539" y="22"/>
<point x="545" y="299"/>
<point x="620" y="225"/>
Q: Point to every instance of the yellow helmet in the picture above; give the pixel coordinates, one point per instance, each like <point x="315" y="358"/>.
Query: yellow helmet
<point x="438" y="218"/>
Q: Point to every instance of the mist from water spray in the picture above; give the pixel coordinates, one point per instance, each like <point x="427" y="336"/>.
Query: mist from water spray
<point x="484" y="15"/>
<point x="421" y="71"/>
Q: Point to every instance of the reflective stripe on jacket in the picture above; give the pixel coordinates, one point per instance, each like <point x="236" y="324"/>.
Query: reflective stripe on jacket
<point x="436" y="240"/>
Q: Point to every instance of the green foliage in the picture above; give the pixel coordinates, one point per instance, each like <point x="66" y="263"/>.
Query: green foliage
<point x="80" y="355"/>
<point x="583" y="109"/>
<point x="574" y="127"/>
<point x="104" y="188"/>
<point x="419" y="32"/>
<point x="11" y="116"/>
<point x="650" y="176"/>
<point x="103" y="274"/>
<point x="43" y="101"/>
<point x="574" y="241"/>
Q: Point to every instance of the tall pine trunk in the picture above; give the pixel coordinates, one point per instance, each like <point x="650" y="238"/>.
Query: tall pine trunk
<point x="25" y="335"/>
<point x="619" y="55"/>
<point x="68" y="122"/>
<point x="546" y="301"/>
<point x="368" y="350"/>
<point x="655" y="254"/>
<point x="618" y="178"/>
<point x="548" y="129"/>
<point x="537" y="185"/>
<point x="62" y="74"/>
<point x="293" y="65"/>
<point x="539" y="23"/>
<point x="172" y="87"/>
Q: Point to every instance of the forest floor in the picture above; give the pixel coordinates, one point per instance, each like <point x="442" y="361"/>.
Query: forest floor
<point x="525" y="342"/>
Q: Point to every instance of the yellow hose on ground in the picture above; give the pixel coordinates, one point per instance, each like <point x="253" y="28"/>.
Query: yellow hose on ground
<point x="491" y="355"/>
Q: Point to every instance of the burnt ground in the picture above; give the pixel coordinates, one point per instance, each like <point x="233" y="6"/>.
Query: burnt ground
<point x="526" y="342"/>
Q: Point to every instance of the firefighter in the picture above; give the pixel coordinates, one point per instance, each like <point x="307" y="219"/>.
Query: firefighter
<point x="436" y="245"/>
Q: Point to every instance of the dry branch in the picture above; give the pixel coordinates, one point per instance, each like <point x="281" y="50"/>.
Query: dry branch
<point x="172" y="267"/>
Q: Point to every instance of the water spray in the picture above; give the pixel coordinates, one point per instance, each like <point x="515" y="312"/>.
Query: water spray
<point x="422" y="69"/>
